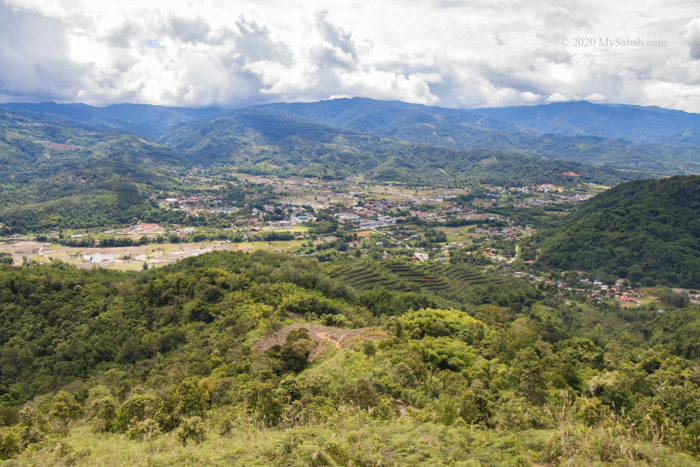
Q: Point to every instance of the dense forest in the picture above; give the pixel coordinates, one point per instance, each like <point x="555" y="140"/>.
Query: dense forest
<point x="647" y="231"/>
<point x="265" y="359"/>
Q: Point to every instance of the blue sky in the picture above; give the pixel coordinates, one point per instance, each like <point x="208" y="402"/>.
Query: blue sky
<point x="448" y="53"/>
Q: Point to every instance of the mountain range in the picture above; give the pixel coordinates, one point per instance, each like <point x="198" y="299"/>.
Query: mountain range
<point x="67" y="154"/>
<point x="647" y="139"/>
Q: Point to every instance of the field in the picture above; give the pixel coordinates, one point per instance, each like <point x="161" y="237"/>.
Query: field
<point x="458" y="234"/>
<point x="131" y="257"/>
<point x="446" y="280"/>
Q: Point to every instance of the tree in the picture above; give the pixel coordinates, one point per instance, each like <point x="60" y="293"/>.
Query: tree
<point x="528" y="369"/>
<point x="9" y="445"/>
<point x="101" y="408"/>
<point x="193" y="399"/>
<point x="191" y="428"/>
<point x="65" y="408"/>
<point x="476" y="406"/>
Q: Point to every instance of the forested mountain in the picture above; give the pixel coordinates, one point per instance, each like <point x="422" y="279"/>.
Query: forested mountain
<point x="644" y="230"/>
<point x="264" y="141"/>
<point x="35" y="146"/>
<point x="141" y="119"/>
<point x="601" y="135"/>
<point x="548" y="137"/>
<point x="55" y="171"/>
<point x="250" y="359"/>
<point x="630" y="122"/>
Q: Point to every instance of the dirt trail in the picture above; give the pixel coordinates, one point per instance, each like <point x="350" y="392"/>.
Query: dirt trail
<point x="326" y="337"/>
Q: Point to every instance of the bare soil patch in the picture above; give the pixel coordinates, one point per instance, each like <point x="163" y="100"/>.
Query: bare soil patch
<point x="327" y="337"/>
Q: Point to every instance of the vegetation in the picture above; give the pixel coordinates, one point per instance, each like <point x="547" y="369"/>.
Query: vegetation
<point x="646" y="231"/>
<point x="181" y="365"/>
<point x="407" y="334"/>
<point x="265" y="142"/>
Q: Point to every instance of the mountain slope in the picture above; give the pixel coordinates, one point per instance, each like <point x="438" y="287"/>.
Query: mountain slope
<point x="264" y="140"/>
<point x="645" y="230"/>
<point x="633" y="123"/>
<point x="263" y="359"/>
<point x="146" y="120"/>
<point x="57" y="172"/>
<point x="653" y="140"/>
<point x="497" y="129"/>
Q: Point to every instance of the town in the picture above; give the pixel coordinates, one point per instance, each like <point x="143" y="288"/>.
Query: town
<point x="482" y="226"/>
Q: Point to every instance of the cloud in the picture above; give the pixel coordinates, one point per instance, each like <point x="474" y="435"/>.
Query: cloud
<point x="691" y="33"/>
<point x="335" y="36"/>
<point x="441" y="52"/>
<point x="255" y="44"/>
<point x="35" y="57"/>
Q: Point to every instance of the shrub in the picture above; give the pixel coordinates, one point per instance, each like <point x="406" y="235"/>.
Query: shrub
<point x="191" y="428"/>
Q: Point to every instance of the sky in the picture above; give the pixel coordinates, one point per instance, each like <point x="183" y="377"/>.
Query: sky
<point x="438" y="52"/>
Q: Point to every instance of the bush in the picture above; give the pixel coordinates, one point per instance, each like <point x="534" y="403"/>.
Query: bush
<point x="101" y="408"/>
<point x="361" y="393"/>
<point x="476" y="406"/>
<point x="9" y="445"/>
<point x="191" y="428"/>
<point x="136" y="408"/>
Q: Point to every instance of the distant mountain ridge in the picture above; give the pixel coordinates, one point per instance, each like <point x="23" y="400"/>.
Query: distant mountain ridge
<point x="473" y="129"/>
<point x="265" y="140"/>
<point x="572" y="132"/>
<point x="143" y="119"/>
<point x="617" y="121"/>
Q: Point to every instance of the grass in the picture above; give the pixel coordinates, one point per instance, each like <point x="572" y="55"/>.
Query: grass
<point x="353" y="437"/>
<point x="458" y="234"/>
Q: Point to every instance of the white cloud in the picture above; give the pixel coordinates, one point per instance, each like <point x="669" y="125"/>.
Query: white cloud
<point x="450" y="53"/>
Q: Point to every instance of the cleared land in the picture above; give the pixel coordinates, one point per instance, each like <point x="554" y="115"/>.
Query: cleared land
<point x="326" y="337"/>
<point x="447" y="280"/>
<point x="129" y="257"/>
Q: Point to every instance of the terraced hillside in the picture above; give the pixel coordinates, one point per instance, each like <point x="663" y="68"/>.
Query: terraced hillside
<point x="449" y="281"/>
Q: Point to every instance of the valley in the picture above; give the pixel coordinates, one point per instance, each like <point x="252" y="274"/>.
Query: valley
<point x="347" y="282"/>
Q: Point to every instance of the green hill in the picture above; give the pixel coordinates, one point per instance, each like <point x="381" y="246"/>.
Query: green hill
<point x="644" y="230"/>
<point x="263" y="359"/>
<point x="59" y="173"/>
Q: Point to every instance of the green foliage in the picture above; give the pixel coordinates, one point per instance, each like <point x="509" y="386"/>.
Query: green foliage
<point x="65" y="408"/>
<point x="193" y="398"/>
<point x="191" y="428"/>
<point x="437" y="323"/>
<point x="202" y="346"/>
<point x="476" y="407"/>
<point x="135" y="409"/>
<point x="361" y="393"/>
<point x="264" y="402"/>
<point x="9" y="444"/>
<point x="442" y="353"/>
<point x="645" y="231"/>
<point x="101" y="408"/>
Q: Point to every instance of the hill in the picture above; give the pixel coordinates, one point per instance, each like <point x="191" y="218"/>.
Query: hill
<point x="644" y="230"/>
<point x="263" y="359"/>
<point x="146" y="120"/>
<point x="648" y="139"/>
<point x="599" y="139"/>
<point x="57" y="172"/>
